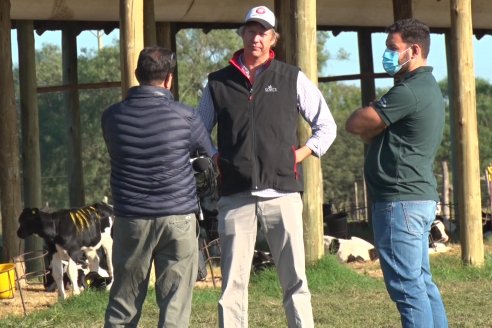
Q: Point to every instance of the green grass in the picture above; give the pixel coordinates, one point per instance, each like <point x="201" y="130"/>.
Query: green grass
<point x="341" y="297"/>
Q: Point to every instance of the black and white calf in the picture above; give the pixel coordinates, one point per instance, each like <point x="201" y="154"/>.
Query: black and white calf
<point x="350" y="250"/>
<point x="68" y="234"/>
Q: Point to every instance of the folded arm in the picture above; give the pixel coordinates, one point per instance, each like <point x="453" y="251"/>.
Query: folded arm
<point x="366" y="123"/>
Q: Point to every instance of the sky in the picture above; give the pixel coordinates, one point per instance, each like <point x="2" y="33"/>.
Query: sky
<point x="345" y="40"/>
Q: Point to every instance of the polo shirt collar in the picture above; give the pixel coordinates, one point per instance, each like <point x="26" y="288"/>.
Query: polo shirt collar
<point x="421" y="69"/>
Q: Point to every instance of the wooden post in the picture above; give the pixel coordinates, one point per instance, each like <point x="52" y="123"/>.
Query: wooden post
<point x="367" y="208"/>
<point x="297" y="18"/>
<point x="31" y="158"/>
<point x="72" y="117"/>
<point x="445" y="191"/>
<point x="286" y="26"/>
<point x="356" y="194"/>
<point x="131" y="41"/>
<point x="452" y="129"/>
<point x="10" y="184"/>
<point x="368" y="92"/>
<point x="469" y="210"/>
<point x="149" y="23"/>
<point x="166" y="37"/>
<point x="402" y="9"/>
<point x="488" y="178"/>
<point x="313" y="177"/>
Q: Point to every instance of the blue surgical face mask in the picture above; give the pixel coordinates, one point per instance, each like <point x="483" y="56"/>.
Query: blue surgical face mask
<point x="390" y="61"/>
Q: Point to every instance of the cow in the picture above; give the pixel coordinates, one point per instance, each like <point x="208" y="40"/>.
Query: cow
<point x="350" y="250"/>
<point x="68" y="234"/>
<point x="438" y="237"/>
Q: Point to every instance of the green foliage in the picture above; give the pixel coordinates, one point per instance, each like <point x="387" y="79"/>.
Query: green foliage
<point x="52" y="131"/>
<point x="101" y="66"/>
<point x="201" y="53"/>
<point x="484" y="113"/>
<point x="93" y="67"/>
<point x="338" y="179"/>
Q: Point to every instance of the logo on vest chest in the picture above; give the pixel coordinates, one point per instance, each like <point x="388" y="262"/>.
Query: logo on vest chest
<point x="270" y="89"/>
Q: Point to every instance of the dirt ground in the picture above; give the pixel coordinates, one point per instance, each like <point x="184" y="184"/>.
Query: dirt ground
<point x="35" y="299"/>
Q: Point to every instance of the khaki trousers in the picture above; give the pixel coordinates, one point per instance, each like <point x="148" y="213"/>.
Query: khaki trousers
<point x="171" y="243"/>
<point x="281" y="223"/>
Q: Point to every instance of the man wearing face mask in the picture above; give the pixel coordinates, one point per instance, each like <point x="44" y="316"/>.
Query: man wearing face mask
<point x="404" y="130"/>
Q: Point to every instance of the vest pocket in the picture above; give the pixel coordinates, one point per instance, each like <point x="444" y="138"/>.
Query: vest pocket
<point x="286" y="163"/>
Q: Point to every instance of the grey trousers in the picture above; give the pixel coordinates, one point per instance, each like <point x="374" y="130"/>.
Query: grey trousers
<point x="171" y="243"/>
<point x="281" y="223"/>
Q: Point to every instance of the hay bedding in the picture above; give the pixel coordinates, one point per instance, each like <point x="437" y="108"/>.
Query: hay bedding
<point x="35" y="299"/>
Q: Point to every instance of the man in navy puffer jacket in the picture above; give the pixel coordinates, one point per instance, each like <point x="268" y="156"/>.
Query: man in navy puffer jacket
<point x="150" y="137"/>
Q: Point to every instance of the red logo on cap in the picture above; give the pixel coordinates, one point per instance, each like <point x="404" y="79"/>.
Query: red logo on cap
<point x="260" y="10"/>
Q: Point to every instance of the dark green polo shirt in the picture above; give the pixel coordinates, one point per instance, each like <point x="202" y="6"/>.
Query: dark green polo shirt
<point x="399" y="162"/>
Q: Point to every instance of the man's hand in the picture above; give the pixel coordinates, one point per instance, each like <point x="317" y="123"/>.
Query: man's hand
<point x="302" y="153"/>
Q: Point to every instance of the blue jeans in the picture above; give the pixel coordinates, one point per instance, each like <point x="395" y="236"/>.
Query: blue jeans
<point x="401" y="232"/>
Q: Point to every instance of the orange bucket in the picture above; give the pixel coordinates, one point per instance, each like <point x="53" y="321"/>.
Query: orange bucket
<point x="7" y="280"/>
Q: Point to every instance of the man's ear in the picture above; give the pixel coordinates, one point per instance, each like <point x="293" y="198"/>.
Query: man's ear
<point x="168" y="81"/>
<point x="416" y="50"/>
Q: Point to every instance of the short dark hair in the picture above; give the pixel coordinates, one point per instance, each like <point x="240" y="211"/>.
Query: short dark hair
<point x="154" y="64"/>
<point x="412" y="31"/>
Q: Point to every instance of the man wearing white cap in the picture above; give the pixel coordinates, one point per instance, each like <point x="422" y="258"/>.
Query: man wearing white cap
<point x="255" y="102"/>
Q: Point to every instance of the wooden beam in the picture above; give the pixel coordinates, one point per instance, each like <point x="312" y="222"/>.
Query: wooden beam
<point x="445" y="208"/>
<point x="72" y="117"/>
<point x="452" y="126"/>
<point x="467" y="165"/>
<point x="131" y="41"/>
<point x="31" y="158"/>
<point x="149" y="24"/>
<point x="297" y="46"/>
<point x="402" y="9"/>
<point x="347" y="77"/>
<point x="306" y="58"/>
<point x="368" y="93"/>
<point x="286" y="26"/>
<point x="10" y="184"/>
<point x="368" y="87"/>
<point x="82" y="86"/>
<point x="166" y="37"/>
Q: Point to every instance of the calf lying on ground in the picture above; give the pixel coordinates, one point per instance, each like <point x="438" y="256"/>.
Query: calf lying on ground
<point x="438" y="233"/>
<point x="68" y="233"/>
<point x="438" y="236"/>
<point x="350" y="250"/>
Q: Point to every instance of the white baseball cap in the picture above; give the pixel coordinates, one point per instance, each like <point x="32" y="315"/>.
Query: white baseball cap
<point x="262" y="15"/>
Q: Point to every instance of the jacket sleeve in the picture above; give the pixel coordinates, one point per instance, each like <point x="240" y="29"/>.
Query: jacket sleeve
<point x="313" y="108"/>
<point x="201" y="142"/>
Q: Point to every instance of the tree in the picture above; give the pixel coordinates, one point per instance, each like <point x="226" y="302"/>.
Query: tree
<point x="484" y="121"/>
<point x="342" y="165"/>
<point x="214" y="49"/>
<point x="97" y="66"/>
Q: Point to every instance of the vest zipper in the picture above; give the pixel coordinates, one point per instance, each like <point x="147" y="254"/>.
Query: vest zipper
<point x="253" y="143"/>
